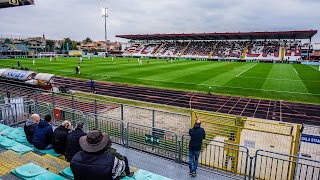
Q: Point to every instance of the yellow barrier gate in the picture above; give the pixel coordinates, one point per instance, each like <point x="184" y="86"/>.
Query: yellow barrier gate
<point x="253" y="134"/>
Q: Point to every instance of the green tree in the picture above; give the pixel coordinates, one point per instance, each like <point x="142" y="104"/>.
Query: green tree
<point x="67" y="43"/>
<point x="74" y="45"/>
<point x="7" y="41"/>
<point x="87" y="40"/>
<point x="50" y="44"/>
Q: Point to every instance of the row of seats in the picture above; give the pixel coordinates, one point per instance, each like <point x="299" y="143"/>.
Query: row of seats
<point x="219" y="49"/>
<point x="44" y="164"/>
<point x="14" y="47"/>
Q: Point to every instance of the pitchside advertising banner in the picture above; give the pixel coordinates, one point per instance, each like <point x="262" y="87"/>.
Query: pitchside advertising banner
<point x="310" y="139"/>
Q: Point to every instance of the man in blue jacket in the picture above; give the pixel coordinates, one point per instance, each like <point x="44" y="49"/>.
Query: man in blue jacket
<point x="42" y="137"/>
<point x="197" y="135"/>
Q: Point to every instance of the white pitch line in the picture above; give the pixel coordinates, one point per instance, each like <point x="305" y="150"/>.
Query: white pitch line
<point x="295" y="71"/>
<point x="313" y="68"/>
<point x="246" y="70"/>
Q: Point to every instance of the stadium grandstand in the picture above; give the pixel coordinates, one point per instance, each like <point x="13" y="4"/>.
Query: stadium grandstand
<point x="13" y="48"/>
<point x="15" y="3"/>
<point x="263" y="46"/>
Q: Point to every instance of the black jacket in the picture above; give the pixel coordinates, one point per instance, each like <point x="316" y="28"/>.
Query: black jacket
<point x="73" y="146"/>
<point x="89" y="166"/>
<point x="197" y="135"/>
<point x="60" y="135"/>
<point x="29" y="129"/>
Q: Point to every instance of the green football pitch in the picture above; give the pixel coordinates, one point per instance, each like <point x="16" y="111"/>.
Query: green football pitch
<point x="299" y="83"/>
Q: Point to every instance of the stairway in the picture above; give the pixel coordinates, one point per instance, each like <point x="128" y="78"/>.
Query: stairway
<point x="182" y="52"/>
<point x="211" y="53"/>
<point x="245" y="51"/>
<point x="157" y="51"/>
<point x="135" y="50"/>
<point x="282" y="53"/>
<point x="14" y="47"/>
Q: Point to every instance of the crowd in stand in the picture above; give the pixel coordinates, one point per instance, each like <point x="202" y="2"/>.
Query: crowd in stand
<point x="90" y="154"/>
<point x="223" y="49"/>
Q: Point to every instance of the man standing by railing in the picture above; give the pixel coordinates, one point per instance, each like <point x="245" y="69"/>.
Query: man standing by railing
<point x="197" y="135"/>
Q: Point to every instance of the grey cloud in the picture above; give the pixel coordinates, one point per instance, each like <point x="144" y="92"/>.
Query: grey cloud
<point x="79" y="19"/>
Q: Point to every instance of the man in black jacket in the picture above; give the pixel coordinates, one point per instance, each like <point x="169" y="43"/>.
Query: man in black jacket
<point x="197" y="135"/>
<point x="93" y="162"/>
<point x="73" y="146"/>
<point x="30" y="126"/>
<point x="60" y="135"/>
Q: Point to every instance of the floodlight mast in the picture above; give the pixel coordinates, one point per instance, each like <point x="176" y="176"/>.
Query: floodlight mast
<point x="105" y="15"/>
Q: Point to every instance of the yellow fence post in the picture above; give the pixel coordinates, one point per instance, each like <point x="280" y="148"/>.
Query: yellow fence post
<point x="193" y="117"/>
<point x="295" y="150"/>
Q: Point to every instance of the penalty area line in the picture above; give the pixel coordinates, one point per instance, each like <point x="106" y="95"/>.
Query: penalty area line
<point x="245" y="70"/>
<point x="295" y="71"/>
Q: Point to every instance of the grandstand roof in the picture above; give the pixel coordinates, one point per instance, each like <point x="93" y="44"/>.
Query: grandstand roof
<point x="225" y="36"/>
<point x="11" y="3"/>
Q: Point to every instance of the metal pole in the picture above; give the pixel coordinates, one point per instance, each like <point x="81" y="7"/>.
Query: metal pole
<point x="96" y="123"/>
<point x="105" y="29"/>
<point x="53" y="107"/>
<point x="36" y="108"/>
<point x="73" y="118"/>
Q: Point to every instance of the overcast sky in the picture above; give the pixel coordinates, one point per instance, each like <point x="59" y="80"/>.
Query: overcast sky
<point x="79" y="19"/>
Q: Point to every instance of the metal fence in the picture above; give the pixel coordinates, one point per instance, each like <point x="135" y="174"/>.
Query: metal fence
<point x="156" y="141"/>
<point x="219" y="155"/>
<point x="273" y="165"/>
<point x="309" y="145"/>
<point x="114" y="127"/>
<point x="126" y="113"/>
<point x="216" y="156"/>
<point x="163" y="133"/>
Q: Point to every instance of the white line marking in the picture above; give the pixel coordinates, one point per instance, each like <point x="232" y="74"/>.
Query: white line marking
<point x="246" y="70"/>
<point x="231" y="87"/>
<point x="313" y="68"/>
<point x="295" y="71"/>
<point x="277" y="79"/>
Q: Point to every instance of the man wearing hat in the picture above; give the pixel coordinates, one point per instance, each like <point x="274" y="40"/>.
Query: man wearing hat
<point x="93" y="162"/>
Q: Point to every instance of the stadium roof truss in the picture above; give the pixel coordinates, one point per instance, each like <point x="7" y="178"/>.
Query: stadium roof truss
<point x="308" y="34"/>
<point x="15" y="3"/>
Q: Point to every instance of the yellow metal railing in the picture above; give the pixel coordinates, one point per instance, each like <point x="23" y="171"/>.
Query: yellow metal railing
<point x="245" y="51"/>
<point x="15" y="48"/>
<point x="135" y="50"/>
<point x="182" y="52"/>
<point x="282" y="52"/>
<point x="157" y="51"/>
<point x="211" y="53"/>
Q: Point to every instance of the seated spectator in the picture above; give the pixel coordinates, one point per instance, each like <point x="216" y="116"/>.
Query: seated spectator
<point x="42" y="137"/>
<point x="72" y="145"/>
<point x="93" y="162"/>
<point x="109" y="149"/>
<point x="30" y="126"/>
<point x="60" y="135"/>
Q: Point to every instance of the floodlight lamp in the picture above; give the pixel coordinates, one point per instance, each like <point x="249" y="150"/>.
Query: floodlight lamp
<point x="105" y="11"/>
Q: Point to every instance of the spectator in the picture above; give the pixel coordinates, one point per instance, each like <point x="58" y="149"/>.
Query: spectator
<point x="114" y="152"/>
<point x="60" y="135"/>
<point x="92" y="162"/>
<point x="30" y="126"/>
<point x="42" y="137"/>
<point x="197" y="135"/>
<point x="72" y="145"/>
<point x="92" y="86"/>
